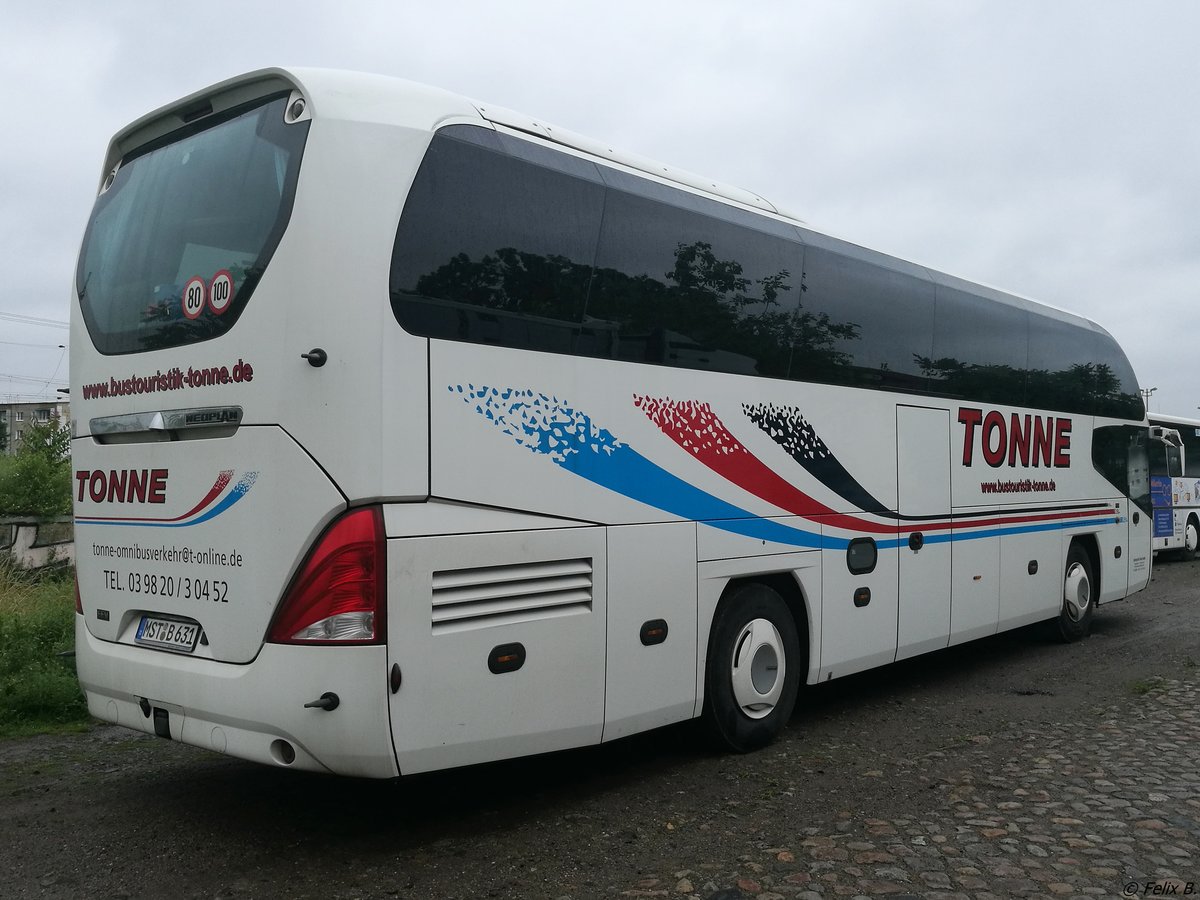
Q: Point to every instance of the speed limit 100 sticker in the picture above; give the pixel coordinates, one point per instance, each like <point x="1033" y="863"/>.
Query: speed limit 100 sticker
<point x="220" y="291"/>
<point x="194" y="294"/>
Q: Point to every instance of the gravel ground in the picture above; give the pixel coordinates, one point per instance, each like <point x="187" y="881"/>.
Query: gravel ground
<point x="1009" y="767"/>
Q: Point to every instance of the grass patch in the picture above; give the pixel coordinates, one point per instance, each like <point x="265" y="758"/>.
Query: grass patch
<point x="1144" y="686"/>
<point x="38" y="689"/>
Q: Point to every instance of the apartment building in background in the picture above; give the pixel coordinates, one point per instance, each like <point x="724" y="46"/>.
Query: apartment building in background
<point x="19" y="416"/>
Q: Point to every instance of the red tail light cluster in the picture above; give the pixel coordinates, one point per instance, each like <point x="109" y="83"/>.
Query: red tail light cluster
<point x="339" y="595"/>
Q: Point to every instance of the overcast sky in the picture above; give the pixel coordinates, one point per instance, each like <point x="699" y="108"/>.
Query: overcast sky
<point x="1048" y="148"/>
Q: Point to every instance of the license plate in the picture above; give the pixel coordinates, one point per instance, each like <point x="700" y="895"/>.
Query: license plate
<point x="167" y="634"/>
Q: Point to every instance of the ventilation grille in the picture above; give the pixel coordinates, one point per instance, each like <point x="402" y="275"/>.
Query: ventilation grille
<point x="501" y="595"/>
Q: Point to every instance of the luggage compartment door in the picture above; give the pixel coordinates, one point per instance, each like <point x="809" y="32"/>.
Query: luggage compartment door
<point x="495" y="645"/>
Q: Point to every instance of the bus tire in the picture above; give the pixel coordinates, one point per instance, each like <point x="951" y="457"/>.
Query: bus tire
<point x="1191" y="539"/>
<point x="753" y="670"/>
<point x="1080" y="589"/>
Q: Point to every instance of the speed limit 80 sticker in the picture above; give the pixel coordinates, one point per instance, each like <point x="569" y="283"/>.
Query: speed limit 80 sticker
<point x="195" y="292"/>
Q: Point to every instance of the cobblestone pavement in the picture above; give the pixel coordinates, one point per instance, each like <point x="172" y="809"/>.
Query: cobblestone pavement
<point x="1104" y="808"/>
<point x="1011" y="767"/>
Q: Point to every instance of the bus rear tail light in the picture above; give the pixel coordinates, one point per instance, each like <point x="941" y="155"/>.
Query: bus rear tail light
<point x="339" y="595"/>
<point x="78" y="599"/>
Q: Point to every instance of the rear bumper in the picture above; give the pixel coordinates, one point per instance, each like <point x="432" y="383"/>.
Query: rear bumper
<point x="248" y="710"/>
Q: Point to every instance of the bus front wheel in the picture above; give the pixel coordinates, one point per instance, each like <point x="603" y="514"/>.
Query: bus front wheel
<point x="753" y="669"/>
<point x="1191" y="540"/>
<point x="1078" y="595"/>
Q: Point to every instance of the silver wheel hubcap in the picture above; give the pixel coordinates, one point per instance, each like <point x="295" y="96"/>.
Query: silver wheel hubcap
<point x="1077" y="592"/>
<point x="1191" y="538"/>
<point x="758" y="668"/>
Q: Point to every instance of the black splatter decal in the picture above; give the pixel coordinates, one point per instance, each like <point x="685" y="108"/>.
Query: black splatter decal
<point x="787" y="427"/>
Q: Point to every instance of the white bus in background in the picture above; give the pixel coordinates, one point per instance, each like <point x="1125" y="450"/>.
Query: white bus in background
<point x="1175" y="484"/>
<point x="412" y="432"/>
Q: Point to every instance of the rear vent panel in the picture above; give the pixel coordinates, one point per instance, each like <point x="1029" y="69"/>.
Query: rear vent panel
<point x="466" y="599"/>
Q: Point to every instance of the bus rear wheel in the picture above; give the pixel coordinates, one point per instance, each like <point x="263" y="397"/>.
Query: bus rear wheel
<point x="1078" y="596"/>
<point x="753" y="669"/>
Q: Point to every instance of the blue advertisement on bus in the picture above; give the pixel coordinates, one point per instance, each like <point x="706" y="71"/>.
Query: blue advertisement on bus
<point x="1161" y="501"/>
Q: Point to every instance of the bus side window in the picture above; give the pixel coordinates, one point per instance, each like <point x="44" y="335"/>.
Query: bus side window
<point x="1191" y="451"/>
<point x="974" y="353"/>
<point x="866" y="320"/>
<point x="1081" y="371"/>
<point x="496" y="249"/>
<point x="683" y="288"/>
<point x="1122" y="454"/>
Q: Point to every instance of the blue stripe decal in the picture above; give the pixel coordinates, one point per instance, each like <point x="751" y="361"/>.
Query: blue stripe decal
<point x="1019" y="529"/>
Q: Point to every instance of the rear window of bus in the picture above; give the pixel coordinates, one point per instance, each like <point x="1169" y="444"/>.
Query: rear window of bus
<point x="181" y="234"/>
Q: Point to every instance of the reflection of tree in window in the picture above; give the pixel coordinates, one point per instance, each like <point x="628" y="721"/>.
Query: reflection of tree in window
<point x="1095" y="384"/>
<point x="813" y="339"/>
<point x="984" y="383"/>
<point x="512" y="281"/>
<point x="1081" y="387"/>
<point x="704" y="313"/>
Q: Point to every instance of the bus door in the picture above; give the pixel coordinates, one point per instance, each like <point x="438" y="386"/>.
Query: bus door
<point x="923" y="492"/>
<point x="1166" y="467"/>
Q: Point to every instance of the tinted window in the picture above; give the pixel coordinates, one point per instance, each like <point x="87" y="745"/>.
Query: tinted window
<point x="534" y="153"/>
<point x="1174" y="462"/>
<point x="682" y="288"/>
<point x="980" y="348"/>
<point x="1190" y="435"/>
<point x="1164" y="459"/>
<point x="629" y="183"/>
<point x="1121" y="453"/>
<point x="866" y="320"/>
<point x="497" y="250"/>
<point x="1191" y="446"/>
<point x="510" y="242"/>
<point x="1075" y="369"/>
<point x="199" y="213"/>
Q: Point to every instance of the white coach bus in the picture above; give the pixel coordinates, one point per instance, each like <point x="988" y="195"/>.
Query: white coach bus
<point x="1175" y="484"/>
<point x="412" y="433"/>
